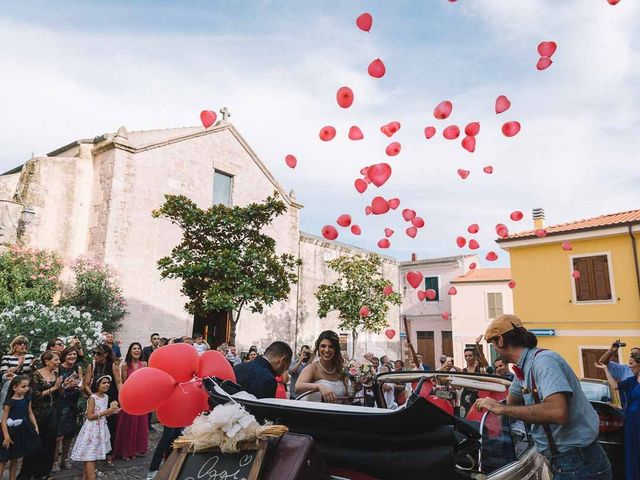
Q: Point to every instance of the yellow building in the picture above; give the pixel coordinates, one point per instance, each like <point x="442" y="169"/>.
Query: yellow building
<point x="579" y="317"/>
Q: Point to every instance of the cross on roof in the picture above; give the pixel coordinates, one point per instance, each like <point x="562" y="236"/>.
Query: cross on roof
<point x="225" y="113"/>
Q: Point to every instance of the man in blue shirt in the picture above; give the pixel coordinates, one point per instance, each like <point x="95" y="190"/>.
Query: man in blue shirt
<point x="259" y="376"/>
<point x="546" y="394"/>
<point x="619" y="371"/>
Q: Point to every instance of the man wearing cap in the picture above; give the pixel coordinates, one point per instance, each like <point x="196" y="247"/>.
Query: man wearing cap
<point x="546" y="394"/>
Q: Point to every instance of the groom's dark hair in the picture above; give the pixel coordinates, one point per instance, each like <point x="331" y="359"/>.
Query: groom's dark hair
<point x="278" y="349"/>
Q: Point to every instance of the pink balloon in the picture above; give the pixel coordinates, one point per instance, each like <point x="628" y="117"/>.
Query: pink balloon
<point x="384" y="243"/>
<point x="463" y="173"/>
<point x="516" y="216"/>
<point x="184" y="405"/>
<point x="387" y="290"/>
<point x="356" y="230"/>
<point x="469" y="144"/>
<point x="208" y="118"/>
<point x="414" y="279"/>
<point x="145" y="390"/>
<point x="445" y="315"/>
<point x="214" y="364"/>
<point x="327" y="133"/>
<point x="488" y="169"/>
<point x="344" y="97"/>
<point x="541" y="232"/>
<point x="472" y="129"/>
<point x="291" y="161"/>
<point x="377" y="69"/>
<point x="473" y="244"/>
<point x="379" y="173"/>
<point x="431" y="294"/>
<point x="177" y="359"/>
<point x="360" y="185"/>
<point x="472" y="266"/>
<point x="443" y="110"/>
<point x="411" y="232"/>
<point x="388" y="232"/>
<point x="390" y="333"/>
<point x="364" y="22"/>
<point x="543" y="63"/>
<point x="491" y="256"/>
<point x="473" y="228"/>
<point x="512" y="284"/>
<point x="461" y="242"/>
<point x="355" y="133"/>
<point x="451" y="132"/>
<point x="452" y="291"/>
<point x="394" y="203"/>
<point x="364" y="311"/>
<point x="502" y="104"/>
<point x="547" y="49"/>
<point x="510" y="129"/>
<point x="344" y="220"/>
<point x="329" y="232"/>
<point x="379" y="206"/>
<point x="393" y="149"/>
<point x="429" y="132"/>
<point x="576" y="274"/>
<point x="422" y="295"/>
<point x="408" y="214"/>
<point x="367" y="210"/>
<point x="566" y="246"/>
<point x="417" y="222"/>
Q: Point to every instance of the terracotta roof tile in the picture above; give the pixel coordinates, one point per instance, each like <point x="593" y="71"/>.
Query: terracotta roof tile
<point x="484" y="275"/>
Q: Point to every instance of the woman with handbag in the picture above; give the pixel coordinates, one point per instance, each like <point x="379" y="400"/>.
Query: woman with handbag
<point x="45" y="386"/>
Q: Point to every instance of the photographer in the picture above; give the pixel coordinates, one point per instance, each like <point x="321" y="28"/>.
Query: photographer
<point x="619" y="371"/>
<point x="296" y="368"/>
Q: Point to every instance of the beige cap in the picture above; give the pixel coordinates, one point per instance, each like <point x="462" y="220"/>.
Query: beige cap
<point x="501" y="325"/>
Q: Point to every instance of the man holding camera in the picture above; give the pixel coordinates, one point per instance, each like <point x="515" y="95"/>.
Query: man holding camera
<point x="619" y="371"/>
<point x="296" y="368"/>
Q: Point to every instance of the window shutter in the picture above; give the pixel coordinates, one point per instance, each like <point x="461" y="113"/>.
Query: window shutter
<point x="494" y="303"/>
<point x="432" y="282"/>
<point x="498" y="304"/>
<point x="601" y="282"/>
<point x="583" y="290"/>
<point x="594" y="282"/>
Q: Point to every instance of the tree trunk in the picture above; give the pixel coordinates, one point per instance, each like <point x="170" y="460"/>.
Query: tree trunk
<point x="233" y="323"/>
<point x="354" y="338"/>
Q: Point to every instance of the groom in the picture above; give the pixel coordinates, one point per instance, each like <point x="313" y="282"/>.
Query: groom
<point x="259" y="376"/>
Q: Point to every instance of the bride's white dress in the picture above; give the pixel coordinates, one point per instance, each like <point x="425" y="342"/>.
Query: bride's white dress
<point x="339" y="390"/>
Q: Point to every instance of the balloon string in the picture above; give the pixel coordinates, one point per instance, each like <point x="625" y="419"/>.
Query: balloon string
<point x="196" y="379"/>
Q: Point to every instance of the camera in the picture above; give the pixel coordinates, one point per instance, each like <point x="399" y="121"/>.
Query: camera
<point x="619" y="344"/>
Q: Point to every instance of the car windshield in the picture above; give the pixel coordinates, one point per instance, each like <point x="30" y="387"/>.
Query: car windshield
<point x="596" y="391"/>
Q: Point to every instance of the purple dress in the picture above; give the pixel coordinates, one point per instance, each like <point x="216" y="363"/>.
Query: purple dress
<point x="132" y="432"/>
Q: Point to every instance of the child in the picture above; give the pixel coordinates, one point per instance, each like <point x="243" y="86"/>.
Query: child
<point x="19" y="427"/>
<point x="201" y="344"/>
<point x="93" y="441"/>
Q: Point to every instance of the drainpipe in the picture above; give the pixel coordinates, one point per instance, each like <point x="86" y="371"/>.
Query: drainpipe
<point x="635" y="258"/>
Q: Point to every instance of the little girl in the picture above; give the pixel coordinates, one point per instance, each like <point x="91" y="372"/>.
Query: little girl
<point x="19" y="427"/>
<point x="93" y="441"/>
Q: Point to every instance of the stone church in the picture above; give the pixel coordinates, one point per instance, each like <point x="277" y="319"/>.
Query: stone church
<point x="94" y="197"/>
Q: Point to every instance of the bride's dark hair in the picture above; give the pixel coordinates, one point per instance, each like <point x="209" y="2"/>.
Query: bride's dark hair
<point x="338" y="361"/>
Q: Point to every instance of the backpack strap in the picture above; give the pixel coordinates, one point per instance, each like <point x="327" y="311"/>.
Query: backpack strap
<point x="536" y="399"/>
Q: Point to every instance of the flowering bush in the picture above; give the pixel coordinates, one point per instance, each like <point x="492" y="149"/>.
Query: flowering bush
<point x="360" y="373"/>
<point x="40" y="323"/>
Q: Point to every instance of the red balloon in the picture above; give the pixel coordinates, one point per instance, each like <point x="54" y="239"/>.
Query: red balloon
<point x="451" y="132"/>
<point x="472" y="266"/>
<point x="355" y="133"/>
<point x="214" y="364"/>
<point x="384" y="243"/>
<point x="377" y="69"/>
<point x="379" y="173"/>
<point x="208" y="118"/>
<point x="473" y="228"/>
<point x="472" y="129"/>
<point x="180" y="360"/>
<point x="390" y="333"/>
<point x="291" y="161"/>
<point x="566" y="246"/>
<point x="379" y="206"/>
<point x="461" y="241"/>
<point x="145" y="390"/>
<point x="502" y="104"/>
<point x="385" y="129"/>
<point x="394" y="203"/>
<point x="388" y="232"/>
<point x="411" y="232"/>
<point x="367" y="179"/>
<point x="393" y="126"/>
<point x="541" y="232"/>
<point x="516" y="216"/>
<point x="408" y="214"/>
<point x="510" y="129"/>
<point x="414" y="279"/>
<point x="367" y="210"/>
<point x="387" y="290"/>
<point x="443" y="110"/>
<point x="488" y="169"/>
<point x="500" y="226"/>
<point x="547" y="49"/>
<point x="360" y="185"/>
<point x="393" y="149"/>
<point x="418" y="222"/>
<point x="329" y="232"/>
<point x="422" y="295"/>
<point x="364" y="22"/>
<point x="613" y="2"/>
<point x="344" y="220"/>
<point x="512" y="284"/>
<point x="473" y="244"/>
<point x="543" y="63"/>
<point x="327" y="133"/>
<point x="445" y="315"/>
<point x="355" y="229"/>
<point x="463" y="173"/>
<point x="429" y="132"/>
<point x="184" y="405"/>
<point x="491" y="256"/>
<point x="364" y="170"/>
<point x="441" y="403"/>
<point x="503" y="232"/>
<point x="344" y="97"/>
<point x="452" y="291"/>
<point x="576" y="274"/>
<point x="431" y="294"/>
<point x="469" y="144"/>
<point x="364" y="312"/>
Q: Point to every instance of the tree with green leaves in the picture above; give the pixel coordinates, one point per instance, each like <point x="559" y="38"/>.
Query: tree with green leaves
<point x="224" y="260"/>
<point x="358" y="295"/>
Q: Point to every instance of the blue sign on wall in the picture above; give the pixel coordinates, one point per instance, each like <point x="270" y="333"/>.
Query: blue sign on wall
<point x="543" y="332"/>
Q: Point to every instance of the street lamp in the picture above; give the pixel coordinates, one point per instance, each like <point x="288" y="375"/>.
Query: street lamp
<point x="27" y="214"/>
<point x="26" y="217"/>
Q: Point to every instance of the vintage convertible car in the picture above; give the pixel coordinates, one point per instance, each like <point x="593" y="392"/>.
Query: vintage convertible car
<point x="418" y="440"/>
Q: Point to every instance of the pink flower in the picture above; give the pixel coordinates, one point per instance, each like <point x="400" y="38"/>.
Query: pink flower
<point x="33" y="277"/>
<point x="41" y="275"/>
<point x="353" y="371"/>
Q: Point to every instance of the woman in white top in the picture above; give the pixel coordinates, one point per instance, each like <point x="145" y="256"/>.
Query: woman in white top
<point x="326" y="375"/>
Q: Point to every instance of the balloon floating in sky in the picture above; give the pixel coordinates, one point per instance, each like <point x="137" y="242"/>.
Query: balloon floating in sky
<point x="461" y="242"/>
<point x="492" y="256"/>
<point x="390" y="333"/>
<point x="566" y="246"/>
<point x="469" y="143"/>
<point x="541" y="233"/>
<point x="377" y="69"/>
<point x="431" y="294"/>
<point x="379" y="206"/>
<point x="512" y="284"/>
<point x="291" y="161"/>
<point x="379" y="173"/>
<point x="360" y="185"/>
<point x="472" y="129"/>
<point x="544" y="63"/>
<point x="393" y="149"/>
<point x="445" y="315"/>
<point x="408" y="214"/>
<point x="613" y="2"/>
<point x="473" y="244"/>
<point x="488" y="169"/>
<point x="473" y="228"/>
<point x="384" y="243"/>
<point x="387" y="290"/>
<point x="414" y="279"/>
<point x="367" y="210"/>
<point x="329" y="232"/>
<point x="390" y="128"/>
<point x="208" y="118"/>
<point x="576" y="274"/>
<point x="547" y="49"/>
<point x="510" y="129"/>
<point x="422" y="295"/>
<point x="344" y="97"/>
<point x="411" y="232"/>
<point x="452" y="291"/>
<point x="394" y="203"/>
<point x="472" y="266"/>
<point x="364" y="22"/>
<point x="327" y="133"/>
<point x="388" y="232"/>
<point x="356" y="230"/>
<point x="451" y="132"/>
<point x="355" y="133"/>
<point x="344" y="220"/>
<point x="364" y="312"/>
<point x="443" y="110"/>
<point x="417" y="222"/>
<point x="463" y="173"/>
<point x="429" y="132"/>
<point x="502" y="104"/>
<point x="516" y="216"/>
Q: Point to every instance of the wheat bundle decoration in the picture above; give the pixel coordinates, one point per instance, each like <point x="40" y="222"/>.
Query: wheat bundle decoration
<point x="228" y="427"/>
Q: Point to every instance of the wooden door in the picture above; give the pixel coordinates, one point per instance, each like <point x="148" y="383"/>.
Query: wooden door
<point x="447" y="343"/>
<point x="426" y="348"/>
<point x="214" y="326"/>
<point x="589" y="357"/>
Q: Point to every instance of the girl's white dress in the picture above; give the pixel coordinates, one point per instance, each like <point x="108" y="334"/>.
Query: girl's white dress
<point x="93" y="442"/>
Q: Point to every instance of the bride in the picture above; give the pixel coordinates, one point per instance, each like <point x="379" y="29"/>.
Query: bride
<point x="325" y="376"/>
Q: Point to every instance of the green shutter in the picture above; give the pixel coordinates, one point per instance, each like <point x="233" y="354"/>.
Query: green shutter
<point x="432" y="282"/>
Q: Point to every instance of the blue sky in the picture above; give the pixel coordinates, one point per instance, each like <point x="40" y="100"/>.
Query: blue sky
<point x="83" y="68"/>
